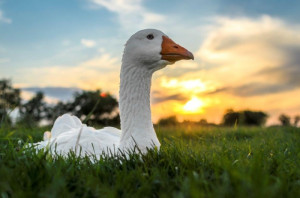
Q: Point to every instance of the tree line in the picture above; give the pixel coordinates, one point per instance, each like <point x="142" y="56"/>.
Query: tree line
<point x="93" y="107"/>
<point x="99" y="108"/>
<point x="233" y="118"/>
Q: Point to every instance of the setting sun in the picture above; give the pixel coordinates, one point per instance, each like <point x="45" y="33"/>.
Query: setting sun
<point x="193" y="106"/>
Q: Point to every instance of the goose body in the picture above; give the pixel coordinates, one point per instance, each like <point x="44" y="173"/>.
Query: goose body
<point x="145" y="52"/>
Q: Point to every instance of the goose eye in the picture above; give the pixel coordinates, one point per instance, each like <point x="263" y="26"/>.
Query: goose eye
<point x="150" y="36"/>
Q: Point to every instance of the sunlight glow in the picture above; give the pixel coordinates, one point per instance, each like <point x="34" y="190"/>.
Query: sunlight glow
<point x="196" y="85"/>
<point x="193" y="106"/>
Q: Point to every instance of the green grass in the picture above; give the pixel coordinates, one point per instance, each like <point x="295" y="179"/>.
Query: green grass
<point x="192" y="162"/>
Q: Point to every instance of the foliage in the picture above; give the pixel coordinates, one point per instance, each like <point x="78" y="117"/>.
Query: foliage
<point x="9" y="99"/>
<point x="33" y="111"/>
<point x="96" y="107"/>
<point x="86" y="101"/>
<point x="285" y="120"/>
<point x="231" y="118"/>
<point x="296" y="120"/>
<point x="4" y="116"/>
<point x="57" y="110"/>
<point x="169" y="121"/>
<point x="244" y="118"/>
<point x="203" y="122"/>
<point x="192" y="162"/>
<point x="9" y="96"/>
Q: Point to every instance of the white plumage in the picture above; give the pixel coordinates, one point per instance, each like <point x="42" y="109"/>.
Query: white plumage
<point x="145" y="52"/>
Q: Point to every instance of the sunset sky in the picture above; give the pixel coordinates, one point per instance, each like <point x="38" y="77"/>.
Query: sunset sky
<point x="247" y="53"/>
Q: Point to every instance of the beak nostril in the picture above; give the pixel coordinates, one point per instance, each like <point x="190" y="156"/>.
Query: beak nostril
<point x="175" y="46"/>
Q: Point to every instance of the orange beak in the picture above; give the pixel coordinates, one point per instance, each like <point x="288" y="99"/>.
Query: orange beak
<point x="172" y="52"/>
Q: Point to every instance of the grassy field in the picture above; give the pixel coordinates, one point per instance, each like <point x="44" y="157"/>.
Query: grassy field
<point x="192" y="162"/>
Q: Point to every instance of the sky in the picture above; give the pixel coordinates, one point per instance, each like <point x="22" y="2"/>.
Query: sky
<point x="247" y="53"/>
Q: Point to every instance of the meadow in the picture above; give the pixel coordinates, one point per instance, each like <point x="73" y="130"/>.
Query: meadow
<point x="193" y="162"/>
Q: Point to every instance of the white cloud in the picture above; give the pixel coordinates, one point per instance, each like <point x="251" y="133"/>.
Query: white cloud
<point x="88" y="43"/>
<point x="4" y="60"/>
<point x="235" y="50"/>
<point x="131" y="13"/>
<point x="4" y="19"/>
<point x="100" y="72"/>
<point x="66" y="42"/>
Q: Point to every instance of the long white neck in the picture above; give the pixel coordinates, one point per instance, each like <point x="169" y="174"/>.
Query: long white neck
<point x="136" y="124"/>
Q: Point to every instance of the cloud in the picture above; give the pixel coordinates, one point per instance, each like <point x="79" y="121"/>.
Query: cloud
<point x="243" y="63"/>
<point x="288" y="72"/>
<point x="99" y="72"/>
<point x="252" y="56"/>
<point x="216" y="91"/>
<point x="159" y="97"/>
<point x="88" y="43"/>
<point x="58" y="93"/>
<point x="253" y="89"/>
<point x="3" y="19"/>
<point x="131" y="13"/>
<point x="66" y="42"/>
<point x="27" y="95"/>
<point x="4" y="60"/>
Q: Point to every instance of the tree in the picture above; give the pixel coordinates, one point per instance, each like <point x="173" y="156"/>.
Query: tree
<point x="231" y="118"/>
<point x="245" y="118"/>
<point x="285" y="120"/>
<point x="57" y="110"/>
<point x="9" y="99"/>
<point x="169" y="121"/>
<point x="254" y="118"/>
<point x="296" y="120"/>
<point x="92" y="107"/>
<point x="203" y="122"/>
<point x="4" y="117"/>
<point x="33" y="111"/>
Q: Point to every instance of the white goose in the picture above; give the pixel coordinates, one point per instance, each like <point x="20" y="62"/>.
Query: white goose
<point x="145" y="52"/>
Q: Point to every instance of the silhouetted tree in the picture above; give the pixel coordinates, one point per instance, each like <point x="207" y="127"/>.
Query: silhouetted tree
<point x="93" y="107"/>
<point x="4" y="117"/>
<point x="296" y="120"/>
<point x="33" y="111"/>
<point x="254" y="118"/>
<point x="285" y="120"/>
<point x="245" y="118"/>
<point x="231" y="118"/>
<point x="169" y="121"/>
<point x="57" y="110"/>
<point x="9" y="99"/>
<point x="203" y="122"/>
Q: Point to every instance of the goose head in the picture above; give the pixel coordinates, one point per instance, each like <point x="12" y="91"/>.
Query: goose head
<point x="153" y="50"/>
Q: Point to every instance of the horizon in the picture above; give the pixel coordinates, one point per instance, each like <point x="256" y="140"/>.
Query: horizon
<point x="246" y="53"/>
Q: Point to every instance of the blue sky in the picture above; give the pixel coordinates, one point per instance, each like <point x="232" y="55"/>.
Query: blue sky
<point x="79" y="43"/>
<point x="38" y="29"/>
